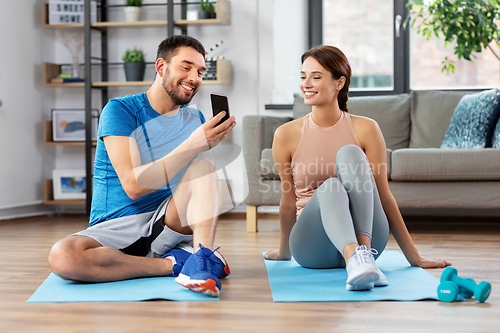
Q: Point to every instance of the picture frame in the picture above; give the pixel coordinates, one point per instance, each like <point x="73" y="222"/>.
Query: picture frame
<point x="69" y="124"/>
<point x="69" y="184"/>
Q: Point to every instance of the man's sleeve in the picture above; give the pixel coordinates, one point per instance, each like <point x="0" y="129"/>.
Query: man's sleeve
<point x="202" y="117"/>
<point x="116" y="119"/>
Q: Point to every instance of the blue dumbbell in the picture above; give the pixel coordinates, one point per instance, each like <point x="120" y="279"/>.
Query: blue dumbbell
<point x="464" y="292"/>
<point x="446" y="291"/>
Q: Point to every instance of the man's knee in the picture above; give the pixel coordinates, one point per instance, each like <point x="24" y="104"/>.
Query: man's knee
<point x="201" y="168"/>
<point x="65" y="258"/>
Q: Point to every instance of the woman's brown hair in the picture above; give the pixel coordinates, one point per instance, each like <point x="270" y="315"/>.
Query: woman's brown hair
<point x="336" y="63"/>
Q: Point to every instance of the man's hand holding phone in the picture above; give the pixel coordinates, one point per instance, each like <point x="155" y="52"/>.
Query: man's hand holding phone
<point x="217" y="127"/>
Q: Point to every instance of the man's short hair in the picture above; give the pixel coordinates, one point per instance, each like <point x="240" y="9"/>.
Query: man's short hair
<point x="169" y="46"/>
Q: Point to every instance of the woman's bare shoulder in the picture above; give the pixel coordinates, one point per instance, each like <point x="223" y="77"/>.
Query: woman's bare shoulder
<point x="364" y="124"/>
<point x="289" y="129"/>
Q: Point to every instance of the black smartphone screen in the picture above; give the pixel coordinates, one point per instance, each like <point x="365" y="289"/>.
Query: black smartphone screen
<point x="220" y="103"/>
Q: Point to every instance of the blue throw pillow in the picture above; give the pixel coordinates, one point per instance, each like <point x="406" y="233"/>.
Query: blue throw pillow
<point x="495" y="140"/>
<point x="473" y="121"/>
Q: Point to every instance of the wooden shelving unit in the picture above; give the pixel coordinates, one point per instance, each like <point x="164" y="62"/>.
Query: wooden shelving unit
<point x="48" y="196"/>
<point x="223" y="18"/>
<point x="51" y="70"/>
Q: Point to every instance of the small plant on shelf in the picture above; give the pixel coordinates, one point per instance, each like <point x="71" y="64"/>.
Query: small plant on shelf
<point x="133" y="10"/>
<point x="134" y="64"/>
<point x="207" y="10"/>
<point x="135" y="55"/>
<point x="134" y="3"/>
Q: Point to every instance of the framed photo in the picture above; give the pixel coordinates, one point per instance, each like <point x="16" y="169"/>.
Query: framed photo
<point x="69" y="124"/>
<point x="69" y="184"/>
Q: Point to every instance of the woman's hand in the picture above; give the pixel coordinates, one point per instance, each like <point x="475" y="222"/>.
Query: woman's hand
<point x="434" y="263"/>
<point x="275" y="255"/>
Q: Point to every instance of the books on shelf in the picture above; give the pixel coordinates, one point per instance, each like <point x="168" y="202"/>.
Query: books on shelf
<point x="70" y="11"/>
<point x="66" y="80"/>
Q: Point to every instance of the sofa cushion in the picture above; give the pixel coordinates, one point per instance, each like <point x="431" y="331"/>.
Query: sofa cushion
<point x="391" y="112"/>
<point x="495" y="140"/>
<point x="415" y="164"/>
<point x="431" y="112"/>
<point x="267" y="167"/>
<point x="300" y="109"/>
<point x="473" y="121"/>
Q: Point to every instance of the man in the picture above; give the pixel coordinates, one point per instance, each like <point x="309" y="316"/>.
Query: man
<point x="151" y="198"/>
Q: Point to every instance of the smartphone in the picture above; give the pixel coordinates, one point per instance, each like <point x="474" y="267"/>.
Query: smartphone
<point x="220" y="103"/>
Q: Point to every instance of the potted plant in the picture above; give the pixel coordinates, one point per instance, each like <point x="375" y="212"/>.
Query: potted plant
<point x="134" y="64"/>
<point x="206" y="10"/>
<point x="133" y="10"/>
<point x="470" y="24"/>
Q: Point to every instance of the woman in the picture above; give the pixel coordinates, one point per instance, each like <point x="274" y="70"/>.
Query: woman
<point x="336" y="206"/>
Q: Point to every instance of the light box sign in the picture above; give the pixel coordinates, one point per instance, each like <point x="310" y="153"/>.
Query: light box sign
<point x="70" y="12"/>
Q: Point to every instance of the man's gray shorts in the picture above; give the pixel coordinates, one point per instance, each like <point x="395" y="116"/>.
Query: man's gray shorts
<point x="141" y="235"/>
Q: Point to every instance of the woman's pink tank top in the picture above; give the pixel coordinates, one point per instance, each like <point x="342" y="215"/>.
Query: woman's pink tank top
<point x="314" y="160"/>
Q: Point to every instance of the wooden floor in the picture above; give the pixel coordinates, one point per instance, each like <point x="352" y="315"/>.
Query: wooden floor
<point x="472" y="245"/>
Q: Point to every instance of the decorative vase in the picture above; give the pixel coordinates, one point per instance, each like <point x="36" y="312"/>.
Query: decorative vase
<point x="75" y="68"/>
<point x="192" y="15"/>
<point x="132" y="13"/>
<point x="134" y="71"/>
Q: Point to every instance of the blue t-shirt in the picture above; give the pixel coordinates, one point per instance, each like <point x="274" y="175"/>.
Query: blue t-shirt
<point x="156" y="135"/>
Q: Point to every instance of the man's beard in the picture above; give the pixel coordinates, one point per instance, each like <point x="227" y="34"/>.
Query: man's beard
<point x="175" y="92"/>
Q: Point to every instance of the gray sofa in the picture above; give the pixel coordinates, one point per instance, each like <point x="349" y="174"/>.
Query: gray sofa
<point x="420" y="174"/>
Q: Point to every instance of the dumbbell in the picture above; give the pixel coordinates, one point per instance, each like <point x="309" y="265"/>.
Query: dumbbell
<point x="464" y="292"/>
<point x="449" y="288"/>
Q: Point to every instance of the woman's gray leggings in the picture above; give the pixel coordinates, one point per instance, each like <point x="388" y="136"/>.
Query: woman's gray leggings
<point x="340" y="209"/>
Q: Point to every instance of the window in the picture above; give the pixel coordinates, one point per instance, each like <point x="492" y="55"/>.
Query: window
<point x="363" y="30"/>
<point x="426" y="57"/>
<point x="386" y="58"/>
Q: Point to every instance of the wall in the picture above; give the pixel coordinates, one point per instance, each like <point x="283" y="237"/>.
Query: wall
<point x="24" y="159"/>
<point x="265" y="59"/>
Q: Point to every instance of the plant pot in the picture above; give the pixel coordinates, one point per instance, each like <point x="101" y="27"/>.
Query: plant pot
<point x="134" y="71"/>
<point x="203" y="15"/>
<point x="132" y="13"/>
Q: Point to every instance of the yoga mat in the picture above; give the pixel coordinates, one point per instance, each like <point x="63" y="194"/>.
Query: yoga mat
<point x="291" y="282"/>
<point x="56" y="290"/>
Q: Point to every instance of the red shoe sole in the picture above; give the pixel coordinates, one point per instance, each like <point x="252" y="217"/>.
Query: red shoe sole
<point x="208" y="287"/>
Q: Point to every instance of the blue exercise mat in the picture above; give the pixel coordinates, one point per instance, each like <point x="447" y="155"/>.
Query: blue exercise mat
<point x="291" y="282"/>
<point x="56" y="290"/>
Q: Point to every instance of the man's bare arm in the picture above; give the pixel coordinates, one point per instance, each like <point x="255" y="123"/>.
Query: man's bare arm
<point x="138" y="180"/>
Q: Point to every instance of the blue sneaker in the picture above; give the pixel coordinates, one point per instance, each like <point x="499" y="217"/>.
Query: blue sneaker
<point x="179" y="255"/>
<point x="202" y="272"/>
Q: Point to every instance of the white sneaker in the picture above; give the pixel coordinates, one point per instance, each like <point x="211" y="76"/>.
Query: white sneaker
<point x="382" y="279"/>
<point x="361" y="269"/>
<point x="359" y="287"/>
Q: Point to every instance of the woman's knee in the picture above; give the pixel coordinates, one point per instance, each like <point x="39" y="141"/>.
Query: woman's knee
<point x="350" y="154"/>
<point x="332" y="184"/>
